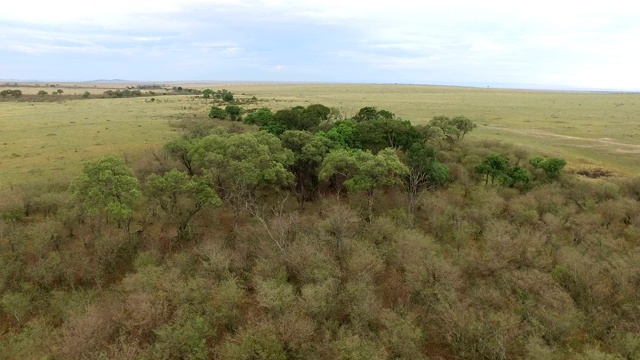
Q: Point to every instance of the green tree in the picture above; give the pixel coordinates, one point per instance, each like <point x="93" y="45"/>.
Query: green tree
<point x="42" y="93"/>
<point x="181" y="197"/>
<point x="227" y="96"/>
<point x="260" y="117"/>
<point x="242" y="164"/>
<point x="86" y="95"/>
<point x="207" y="93"/>
<point x="107" y="186"/>
<point x="552" y="167"/>
<point x="59" y="91"/>
<point x="343" y="134"/>
<point x="367" y="113"/>
<point x="308" y="151"/>
<point x="493" y="167"/>
<point x="364" y="171"/>
<point x="454" y="129"/>
<point x="181" y="150"/>
<point x="381" y="133"/>
<point x="234" y="112"/>
<point x="217" y="113"/>
<point x="424" y="172"/>
<point x="515" y="175"/>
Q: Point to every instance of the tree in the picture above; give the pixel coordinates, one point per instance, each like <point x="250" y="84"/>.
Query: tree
<point x="180" y="149"/>
<point x="86" y="95"/>
<point x="242" y="164"/>
<point x="207" y="93"/>
<point x="227" y="96"/>
<point x="424" y="172"/>
<point x="317" y="113"/>
<point x="107" y="186"/>
<point x="59" y="91"/>
<point x="381" y="133"/>
<point x="181" y="197"/>
<point x="308" y="151"/>
<point x="367" y="113"/>
<point x="552" y="167"/>
<point x="454" y="129"/>
<point x="42" y="93"/>
<point x="364" y="171"/>
<point x="493" y="167"/>
<point x="260" y="117"/>
<point x="217" y="113"/>
<point x="343" y="134"/>
<point x="234" y="112"/>
<point x="515" y="175"/>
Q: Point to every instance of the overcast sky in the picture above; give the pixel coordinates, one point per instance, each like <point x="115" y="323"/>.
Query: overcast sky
<point x="541" y="43"/>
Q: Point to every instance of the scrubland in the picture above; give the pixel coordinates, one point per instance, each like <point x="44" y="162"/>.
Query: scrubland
<point x="543" y="269"/>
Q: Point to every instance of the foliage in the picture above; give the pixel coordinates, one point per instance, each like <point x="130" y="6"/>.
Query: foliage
<point x="454" y="129"/>
<point x="260" y="117"/>
<point x="364" y="171"/>
<point x="234" y="112"/>
<point x="107" y="186"/>
<point x="371" y="113"/>
<point x="552" y="167"/>
<point x="308" y="151"/>
<point x="217" y="113"/>
<point x="181" y="197"/>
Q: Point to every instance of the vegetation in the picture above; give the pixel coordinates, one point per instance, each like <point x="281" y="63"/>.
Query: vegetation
<point x="396" y="243"/>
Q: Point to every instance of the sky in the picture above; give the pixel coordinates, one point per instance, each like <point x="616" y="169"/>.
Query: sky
<point x="532" y="44"/>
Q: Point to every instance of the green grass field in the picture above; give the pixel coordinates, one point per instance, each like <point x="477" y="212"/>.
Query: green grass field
<point x="47" y="141"/>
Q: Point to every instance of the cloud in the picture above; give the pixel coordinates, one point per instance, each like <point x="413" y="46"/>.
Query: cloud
<point x="332" y="40"/>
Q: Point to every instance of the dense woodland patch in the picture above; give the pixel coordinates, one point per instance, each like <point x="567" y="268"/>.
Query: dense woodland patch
<point x="302" y="233"/>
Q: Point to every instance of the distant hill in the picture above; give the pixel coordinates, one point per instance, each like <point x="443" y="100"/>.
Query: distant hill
<point x="108" y="80"/>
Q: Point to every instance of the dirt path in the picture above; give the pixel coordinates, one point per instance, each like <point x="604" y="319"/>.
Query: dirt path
<point x="617" y="147"/>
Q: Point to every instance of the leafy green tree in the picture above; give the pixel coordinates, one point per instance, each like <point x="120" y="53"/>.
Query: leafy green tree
<point x="217" y="113"/>
<point x="181" y="150"/>
<point x="207" y="93"/>
<point x="42" y="93"/>
<point x="308" y="151"/>
<point x="381" y="133"/>
<point x="365" y="171"/>
<point x="260" y="117"/>
<point x="242" y="164"/>
<point x="234" y="112"/>
<point x="515" y="175"/>
<point x="181" y="197"/>
<point x="86" y="95"/>
<point x="107" y="186"/>
<point x="424" y="172"/>
<point x="59" y="91"/>
<point x="367" y="113"/>
<point x="493" y="167"/>
<point x="316" y="113"/>
<point x="454" y="129"/>
<point x="343" y="134"/>
<point x="227" y="96"/>
<point x="552" y="167"/>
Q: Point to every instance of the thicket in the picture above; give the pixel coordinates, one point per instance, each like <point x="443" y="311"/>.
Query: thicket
<point x="299" y="236"/>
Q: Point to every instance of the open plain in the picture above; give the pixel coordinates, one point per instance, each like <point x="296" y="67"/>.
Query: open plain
<point x="47" y="140"/>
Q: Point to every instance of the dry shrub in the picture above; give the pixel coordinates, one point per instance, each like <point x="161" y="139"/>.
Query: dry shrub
<point x="402" y="338"/>
<point x="275" y="297"/>
<point x="259" y="340"/>
<point x="546" y="307"/>
<point x="364" y="264"/>
<point x="310" y="261"/>
<point x="320" y="300"/>
<point x="298" y="335"/>
<point x="86" y="335"/>
<point x="350" y="346"/>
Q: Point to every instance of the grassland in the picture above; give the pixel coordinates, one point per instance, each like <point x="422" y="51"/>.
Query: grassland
<point x="45" y="141"/>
